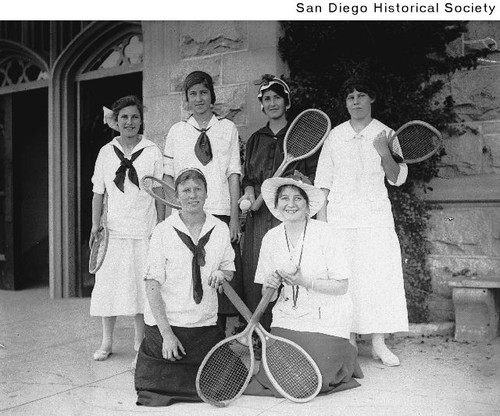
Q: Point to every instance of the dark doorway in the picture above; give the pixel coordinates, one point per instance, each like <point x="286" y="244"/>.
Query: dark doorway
<point x="25" y="189"/>
<point x="94" y="134"/>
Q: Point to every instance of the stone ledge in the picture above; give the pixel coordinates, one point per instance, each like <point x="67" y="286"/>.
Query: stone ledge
<point x="434" y="328"/>
<point x="476" y="188"/>
<point x="419" y="330"/>
<point x="477" y="309"/>
<point x="475" y="283"/>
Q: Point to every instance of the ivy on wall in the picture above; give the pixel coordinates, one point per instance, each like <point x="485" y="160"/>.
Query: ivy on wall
<point x="408" y="62"/>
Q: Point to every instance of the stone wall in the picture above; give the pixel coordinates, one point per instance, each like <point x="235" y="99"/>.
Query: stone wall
<point x="465" y="229"/>
<point x="465" y="226"/>
<point x="235" y="54"/>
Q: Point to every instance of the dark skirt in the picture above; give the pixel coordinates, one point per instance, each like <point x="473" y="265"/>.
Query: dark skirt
<point x="160" y="382"/>
<point x="335" y="357"/>
<point x="225" y="305"/>
<point x="258" y="223"/>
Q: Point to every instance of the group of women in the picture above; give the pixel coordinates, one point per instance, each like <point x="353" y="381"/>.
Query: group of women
<point x="338" y="275"/>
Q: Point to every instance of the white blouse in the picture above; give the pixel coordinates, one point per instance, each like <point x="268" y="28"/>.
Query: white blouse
<point x="169" y="262"/>
<point x="322" y="258"/>
<point x="132" y="213"/>
<point x="351" y="168"/>
<point x="224" y="140"/>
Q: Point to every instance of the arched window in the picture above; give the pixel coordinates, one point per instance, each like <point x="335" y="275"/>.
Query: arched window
<point x="20" y="68"/>
<point x="16" y="70"/>
<point x="123" y="55"/>
<point x="127" y="52"/>
<point x="102" y="52"/>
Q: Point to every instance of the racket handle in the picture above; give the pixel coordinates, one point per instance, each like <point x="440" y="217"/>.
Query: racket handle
<point x="236" y="301"/>
<point x="261" y="307"/>
<point x="397" y="158"/>
<point x="258" y="202"/>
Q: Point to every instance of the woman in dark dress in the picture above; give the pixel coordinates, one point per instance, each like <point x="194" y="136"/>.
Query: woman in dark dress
<point x="263" y="156"/>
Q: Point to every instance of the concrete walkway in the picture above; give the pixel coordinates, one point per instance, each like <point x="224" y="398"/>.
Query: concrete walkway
<point x="46" y="368"/>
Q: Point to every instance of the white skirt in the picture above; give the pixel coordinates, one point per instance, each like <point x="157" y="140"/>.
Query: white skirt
<point x="376" y="280"/>
<point x="119" y="284"/>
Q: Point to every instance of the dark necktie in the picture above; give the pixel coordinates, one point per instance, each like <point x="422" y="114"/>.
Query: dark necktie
<point x="198" y="260"/>
<point x="124" y="165"/>
<point x="202" y="148"/>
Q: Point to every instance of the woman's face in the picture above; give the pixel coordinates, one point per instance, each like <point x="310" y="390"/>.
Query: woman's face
<point x="129" y="121"/>
<point x="192" y="195"/>
<point x="199" y="99"/>
<point x="292" y="205"/>
<point x="359" y="105"/>
<point x="273" y="104"/>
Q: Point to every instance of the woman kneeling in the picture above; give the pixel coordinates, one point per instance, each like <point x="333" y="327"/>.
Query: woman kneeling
<point x="190" y="255"/>
<point x="304" y="258"/>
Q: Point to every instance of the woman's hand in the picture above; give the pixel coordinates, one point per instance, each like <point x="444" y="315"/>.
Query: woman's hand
<point x="381" y="144"/>
<point x="389" y="164"/>
<point x="216" y="279"/>
<point x="172" y="348"/>
<point x="234" y="229"/>
<point x="249" y="194"/>
<point x="273" y="281"/>
<point x="292" y="278"/>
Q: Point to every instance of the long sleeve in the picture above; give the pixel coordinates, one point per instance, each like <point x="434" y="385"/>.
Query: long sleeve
<point x="234" y="153"/>
<point x="324" y="172"/>
<point x="403" y="167"/>
<point x="155" y="263"/>
<point x="265" y="264"/>
<point x="249" y="175"/>
<point x="168" y="154"/>
<point x="98" y="177"/>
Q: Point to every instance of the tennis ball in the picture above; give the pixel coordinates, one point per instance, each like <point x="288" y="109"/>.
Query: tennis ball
<point x="245" y="205"/>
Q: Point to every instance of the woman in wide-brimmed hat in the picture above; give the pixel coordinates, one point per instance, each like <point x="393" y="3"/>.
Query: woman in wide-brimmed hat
<point x="313" y="308"/>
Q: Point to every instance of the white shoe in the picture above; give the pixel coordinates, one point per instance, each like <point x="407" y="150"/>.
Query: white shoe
<point x="385" y="355"/>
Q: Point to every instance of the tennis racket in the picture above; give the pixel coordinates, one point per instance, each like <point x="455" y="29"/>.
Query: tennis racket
<point x="161" y="191"/>
<point x="291" y="370"/>
<point x="99" y="245"/>
<point x="226" y="370"/>
<point x="416" y="141"/>
<point x="305" y="136"/>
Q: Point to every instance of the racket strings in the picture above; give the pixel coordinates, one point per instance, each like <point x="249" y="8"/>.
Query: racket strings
<point x="226" y="371"/>
<point x="417" y="141"/>
<point x="292" y="370"/>
<point x="153" y="187"/>
<point x="98" y="250"/>
<point x="306" y="133"/>
<point x="158" y="190"/>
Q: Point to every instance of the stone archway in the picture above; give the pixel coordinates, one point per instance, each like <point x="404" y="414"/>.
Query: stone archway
<point x="23" y="197"/>
<point x="78" y="56"/>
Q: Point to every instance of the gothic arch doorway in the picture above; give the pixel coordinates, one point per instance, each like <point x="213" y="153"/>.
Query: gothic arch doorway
<point x="24" y="225"/>
<point x="102" y="64"/>
<point x="94" y="134"/>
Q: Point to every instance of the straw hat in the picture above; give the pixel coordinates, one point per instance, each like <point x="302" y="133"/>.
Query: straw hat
<point x="271" y="185"/>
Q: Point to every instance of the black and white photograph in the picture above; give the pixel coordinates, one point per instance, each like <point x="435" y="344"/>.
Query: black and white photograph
<point x="250" y="209"/>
